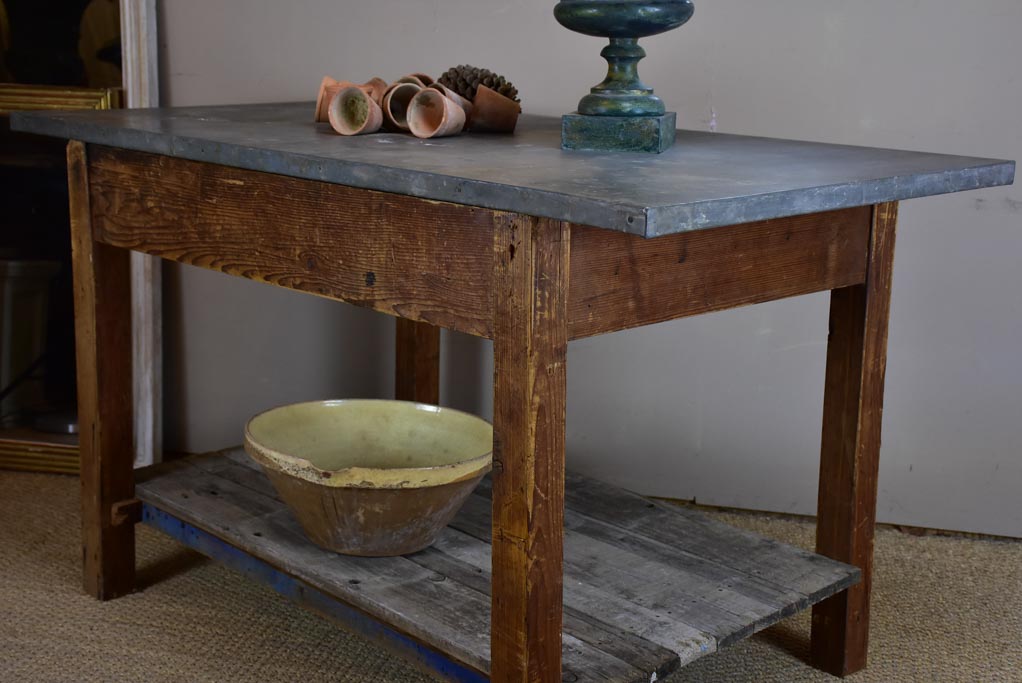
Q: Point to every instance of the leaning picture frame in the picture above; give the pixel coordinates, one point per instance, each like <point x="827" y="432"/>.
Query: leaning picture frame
<point x="140" y="89"/>
<point x="26" y="449"/>
<point x="19" y="97"/>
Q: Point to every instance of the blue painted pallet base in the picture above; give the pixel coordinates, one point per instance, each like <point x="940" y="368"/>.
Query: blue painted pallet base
<point x="309" y="597"/>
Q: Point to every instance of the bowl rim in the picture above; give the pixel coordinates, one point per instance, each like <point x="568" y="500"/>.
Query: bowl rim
<point x="368" y="477"/>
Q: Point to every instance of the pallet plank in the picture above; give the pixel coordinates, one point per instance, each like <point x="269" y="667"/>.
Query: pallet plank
<point x="586" y="602"/>
<point x="457" y="618"/>
<point x="799" y="570"/>
<point x="469" y="564"/>
<point x="763" y="592"/>
<point x="248" y="473"/>
<point x="417" y="653"/>
<point x="655" y="586"/>
<point x="642" y="596"/>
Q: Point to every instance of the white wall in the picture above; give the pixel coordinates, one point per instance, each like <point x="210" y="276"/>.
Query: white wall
<point x="723" y="408"/>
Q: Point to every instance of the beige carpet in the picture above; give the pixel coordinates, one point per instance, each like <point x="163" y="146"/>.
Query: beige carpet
<point x="945" y="609"/>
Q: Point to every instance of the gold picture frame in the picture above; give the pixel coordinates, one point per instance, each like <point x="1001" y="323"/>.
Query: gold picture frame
<point x="140" y="79"/>
<point x="18" y="97"/>
<point x="22" y="449"/>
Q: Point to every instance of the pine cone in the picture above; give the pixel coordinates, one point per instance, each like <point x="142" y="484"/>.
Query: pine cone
<point x="465" y="80"/>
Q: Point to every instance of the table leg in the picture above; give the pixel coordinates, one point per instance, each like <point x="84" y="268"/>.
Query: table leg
<point x="530" y="347"/>
<point x="417" y="370"/>
<point x="103" y="340"/>
<point x="852" y="405"/>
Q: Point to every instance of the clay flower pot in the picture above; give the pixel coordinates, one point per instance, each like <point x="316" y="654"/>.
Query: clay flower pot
<point x="329" y="88"/>
<point x="353" y="111"/>
<point x="494" y="113"/>
<point x="418" y="78"/>
<point x="457" y="99"/>
<point x="395" y="105"/>
<point x="323" y="98"/>
<point x="433" y="115"/>
<point x="378" y="86"/>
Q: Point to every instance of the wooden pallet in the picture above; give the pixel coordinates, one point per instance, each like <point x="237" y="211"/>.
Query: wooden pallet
<point x="648" y="586"/>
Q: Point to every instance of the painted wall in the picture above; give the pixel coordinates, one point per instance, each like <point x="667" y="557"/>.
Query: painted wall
<point x="724" y="408"/>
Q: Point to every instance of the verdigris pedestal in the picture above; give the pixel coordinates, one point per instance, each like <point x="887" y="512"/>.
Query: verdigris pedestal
<point x="621" y="113"/>
<point x="618" y="133"/>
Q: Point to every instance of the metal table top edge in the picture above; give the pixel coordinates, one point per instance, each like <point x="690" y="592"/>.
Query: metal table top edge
<point x="709" y="180"/>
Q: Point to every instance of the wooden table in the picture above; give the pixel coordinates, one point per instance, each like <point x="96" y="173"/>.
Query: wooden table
<point x="513" y="240"/>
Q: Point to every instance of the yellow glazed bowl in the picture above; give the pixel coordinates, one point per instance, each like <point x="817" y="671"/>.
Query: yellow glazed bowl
<point x="371" y="477"/>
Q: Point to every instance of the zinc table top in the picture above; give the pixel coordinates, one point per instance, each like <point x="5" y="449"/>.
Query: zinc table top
<point x="706" y="180"/>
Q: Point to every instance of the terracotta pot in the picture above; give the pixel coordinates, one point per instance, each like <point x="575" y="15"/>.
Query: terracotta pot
<point x="457" y="99"/>
<point x="323" y="97"/>
<point x="433" y="115"/>
<point x="329" y="88"/>
<point x="378" y="87"/>
<point x="494" y="113"/>
<point x="395" y="105"/>
<point x="367" y="477"/>
<point x="420" y="78"/>
<point x="353" y="111"/>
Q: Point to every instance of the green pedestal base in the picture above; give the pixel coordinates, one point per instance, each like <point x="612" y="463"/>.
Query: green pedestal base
<point x="618" y="133"/>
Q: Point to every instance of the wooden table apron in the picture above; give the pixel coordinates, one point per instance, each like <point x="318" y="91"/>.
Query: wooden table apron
<point x="530" y="284"/>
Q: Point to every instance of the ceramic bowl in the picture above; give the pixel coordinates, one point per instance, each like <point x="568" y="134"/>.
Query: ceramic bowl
<point x="371" y="477"/>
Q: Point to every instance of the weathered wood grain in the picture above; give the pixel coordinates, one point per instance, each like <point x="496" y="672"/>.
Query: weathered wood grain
<point x="237" y="467"/>
<point x="219" y="502"/>
<point x="469" y="564"/>
<point x="709" y="573"/>
<point x="620" y="281"/>
<point x="631" y="598"/>
<point x="237" y="456"/>
<point x="790" y="570"/>
<point x="396" y="590"/>
<point x="415" y="652"/>
<point x="850" y="454"/>
<point x="530" y="341"/>
<point x="592" y="650"/>
<point x="417" y="363"/>
<point x="658" y="589"/>
<point x="411" y="595"/>
<point x="428" y="261"/>
<point x="650" y="641"/>
<point x="103" y="346"/>
<point x="400" y="255"/>
<point x="448" y="610"/>
<point x="660" y="626"/>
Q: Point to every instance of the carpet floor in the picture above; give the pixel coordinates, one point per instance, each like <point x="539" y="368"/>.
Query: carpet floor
<point x="944" y="609"/>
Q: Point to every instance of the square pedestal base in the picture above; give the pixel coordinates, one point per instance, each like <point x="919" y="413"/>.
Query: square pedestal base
<point x="618" y="133"/>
